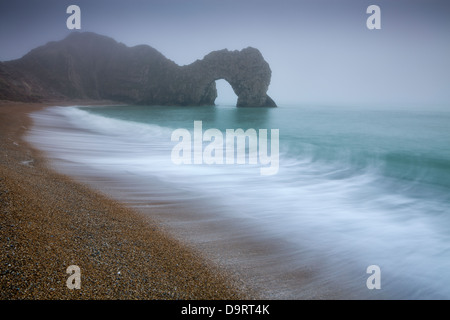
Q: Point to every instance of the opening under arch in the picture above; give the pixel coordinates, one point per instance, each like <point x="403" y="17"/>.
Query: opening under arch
<point x="225" y="94"/>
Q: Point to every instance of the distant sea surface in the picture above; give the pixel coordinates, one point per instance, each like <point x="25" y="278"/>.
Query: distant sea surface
<point x="356" y="186"/>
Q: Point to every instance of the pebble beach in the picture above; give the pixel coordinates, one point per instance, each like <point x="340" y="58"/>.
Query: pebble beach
<point x="49" y="222"/>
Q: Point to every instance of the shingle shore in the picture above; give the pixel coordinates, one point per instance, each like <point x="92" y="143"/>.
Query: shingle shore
<point x="49" y="222"/>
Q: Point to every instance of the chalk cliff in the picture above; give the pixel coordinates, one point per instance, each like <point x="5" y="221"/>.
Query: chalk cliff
<point x="91" y="66"/>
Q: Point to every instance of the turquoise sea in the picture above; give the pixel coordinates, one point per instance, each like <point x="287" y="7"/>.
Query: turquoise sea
<point x="356" y="186"/>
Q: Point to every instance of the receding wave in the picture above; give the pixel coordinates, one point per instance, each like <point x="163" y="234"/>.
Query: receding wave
<point x="347" y="205"/>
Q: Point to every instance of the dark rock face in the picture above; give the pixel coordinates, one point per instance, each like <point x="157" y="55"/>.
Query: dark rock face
<point x="90" y="66"/>
<point x="246" y="71"/>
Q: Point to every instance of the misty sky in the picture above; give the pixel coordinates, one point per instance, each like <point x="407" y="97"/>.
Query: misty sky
<point x="320" y="51"/>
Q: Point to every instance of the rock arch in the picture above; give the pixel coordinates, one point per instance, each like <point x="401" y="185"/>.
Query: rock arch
<point x="246" y="71"/>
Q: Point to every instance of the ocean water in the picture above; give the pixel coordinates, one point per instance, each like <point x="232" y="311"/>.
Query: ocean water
<point x="355" y="187"/>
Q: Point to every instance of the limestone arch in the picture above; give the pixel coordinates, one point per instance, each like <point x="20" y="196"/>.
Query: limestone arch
<point x="246" y="71"/>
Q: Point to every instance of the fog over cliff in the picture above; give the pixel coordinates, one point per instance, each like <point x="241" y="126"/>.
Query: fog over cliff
<point x="91" y="66"/>
<point x="320" y="52"/>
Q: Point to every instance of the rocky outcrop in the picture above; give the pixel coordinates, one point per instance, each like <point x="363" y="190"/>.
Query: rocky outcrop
<point x="246" y="71"/>
<point x="91" y="66"/>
